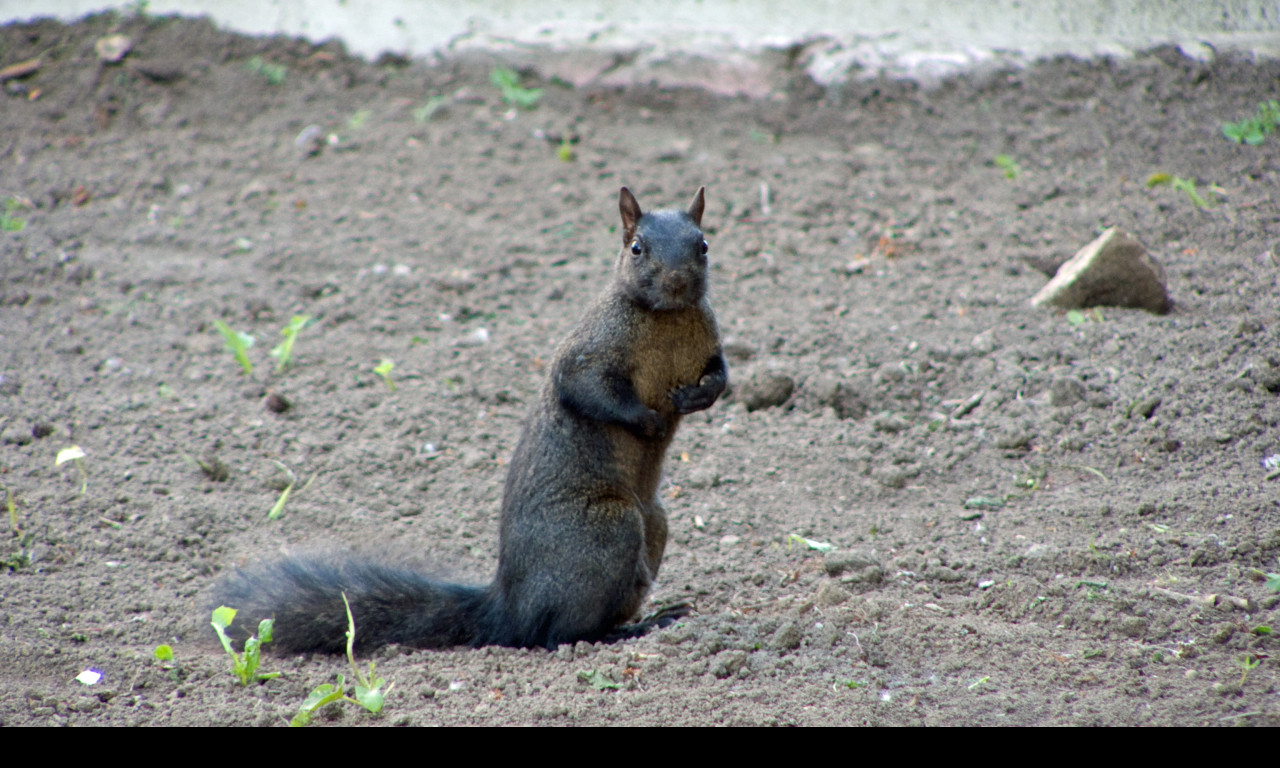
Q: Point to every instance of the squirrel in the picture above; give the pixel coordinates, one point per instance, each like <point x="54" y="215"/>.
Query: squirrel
<point x="582" y="533"/>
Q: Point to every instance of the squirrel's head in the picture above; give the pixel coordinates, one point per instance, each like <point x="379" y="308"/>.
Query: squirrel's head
<point x="663" y="262"/>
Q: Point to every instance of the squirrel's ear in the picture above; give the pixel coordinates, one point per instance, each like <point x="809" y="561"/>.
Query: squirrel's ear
<point x="695" y="207"/>
<point x="630" y="215"/>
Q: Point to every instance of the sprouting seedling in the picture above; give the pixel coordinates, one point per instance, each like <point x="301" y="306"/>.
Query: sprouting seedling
<point x="277" y="509"/>
<point x="22" y="555"/>
<point x="1248" y="662"/>
<point x="384" y="370"/>
<point x="321" y="696"/>
<point x="164" y="655"/>
<point x="245" y="667"/>
<point x="565" y="150"/>
<point x="821" y="546"/>
<point x="428" y="110"/>
<point x="74" y="454"/>
<point x="238" y="343"/>
<point x="1186" y="186"/>
<point x="1077" y="317"/>
<point x="274" y="74"/>
<point x="508" y="81"/>
<point x="283" y="353"/>
<point x="13" y="511"/>
<point x="597" y="679"/>
<point x="368" y="687"/>
<point x="1273" y="580"/>
<point x="358" y="119"/>
<point x="1254" y="130"/>
<point x="9" y="222"/>
<point x="1007" y="164"/>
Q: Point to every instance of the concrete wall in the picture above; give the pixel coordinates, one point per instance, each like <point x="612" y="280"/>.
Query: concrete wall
<point x="918" y="38"/>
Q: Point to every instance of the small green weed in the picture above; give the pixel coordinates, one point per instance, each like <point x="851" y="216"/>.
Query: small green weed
<point x="74" y="454"/>
<point x="1248" y="662"/>
<point x="1186" y="186"/>
<point x="1273" y="580"/>
<point x="565" y="150"/>
<point x="1254" y="130"/>
<point x="1007" y="164"/>
<point x="508" y="81"/>
<point x="357" y="120"/>
<point x="244" y="667"/>
<point x="274" y="74"/>
<point x="238" y="344"/>
<point x="277" y="509"/>
<point x="284" y="352"/>
<point x="12" y="507"/>
<point x="21" y="556"/>
<point x="820" y="546"/>
<point x="1077" y="317"/>
<point x="9" y="222"/>
<point x="368" y="688"/>
<point x="384" y="370"/>
<point x="597" y="679"/>
<point x="164" y="655"/>
<point x="429" y="109"/>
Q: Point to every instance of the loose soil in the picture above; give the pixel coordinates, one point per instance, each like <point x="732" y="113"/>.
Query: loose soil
<point x="1037" y="518"/>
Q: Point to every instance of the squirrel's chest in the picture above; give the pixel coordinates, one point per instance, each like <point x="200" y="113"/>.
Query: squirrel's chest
<point x="671" y="350"/>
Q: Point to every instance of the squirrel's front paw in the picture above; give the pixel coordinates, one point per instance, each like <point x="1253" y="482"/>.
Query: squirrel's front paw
<point x="650" y="426"/>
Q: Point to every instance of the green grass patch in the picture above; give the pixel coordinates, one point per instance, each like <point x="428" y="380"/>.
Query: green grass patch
<point x="1254" y="130"/>
<point x="274" y="74"/>
<point x="513" y="93"/>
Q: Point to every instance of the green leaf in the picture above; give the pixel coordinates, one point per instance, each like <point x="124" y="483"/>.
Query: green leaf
<point x="164" y="653"/>
<point x="384" y="370"/>
<point x="284" y="352"/>
<point x="277" y="509"/>
<point x="597" y="679"/>
<point x="1008" y="165"/>
<point x="371" y="698"/>
<point x="73" y="453"/>
<point x="324" y="694"/>
<point x="508" y="81"/>
<point x="238" y="344"/>
<point x="223" y="616"/>
<point x="820" y="546"/>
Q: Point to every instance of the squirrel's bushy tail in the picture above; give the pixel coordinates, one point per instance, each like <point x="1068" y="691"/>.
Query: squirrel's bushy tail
<point x="390" y="605"/>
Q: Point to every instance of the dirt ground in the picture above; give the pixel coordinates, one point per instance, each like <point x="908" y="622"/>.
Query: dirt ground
<point x="1037" y="519"/>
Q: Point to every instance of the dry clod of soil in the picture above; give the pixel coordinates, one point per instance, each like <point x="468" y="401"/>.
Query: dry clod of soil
<point x="765" y="389"/>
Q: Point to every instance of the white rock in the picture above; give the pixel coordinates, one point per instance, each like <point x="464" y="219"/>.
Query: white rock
<point x="1114" y="270"/>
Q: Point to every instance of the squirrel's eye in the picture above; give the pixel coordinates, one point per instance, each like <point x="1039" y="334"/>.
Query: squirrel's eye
<point x="635" y="247"/>
<point x="705" y="247"/>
